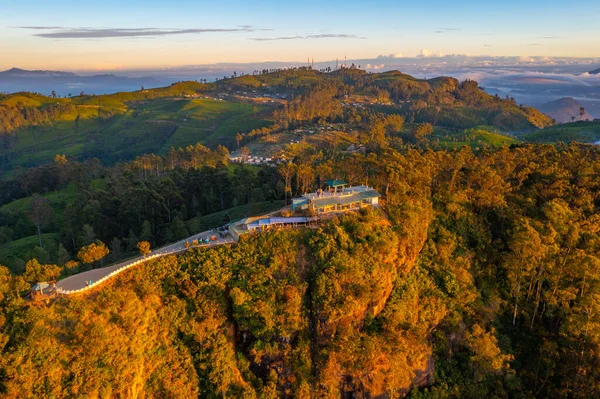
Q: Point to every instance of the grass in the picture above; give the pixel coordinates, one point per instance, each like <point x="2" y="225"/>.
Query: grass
<point x="585" y="132"/>
<point x="474" y="138"/>
<point x="21" y="250"/>
<point x="122" y="126"/>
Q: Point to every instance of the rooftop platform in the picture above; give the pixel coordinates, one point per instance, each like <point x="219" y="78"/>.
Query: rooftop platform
<point x="344" y="192"/>
<point x="343" y="198"/>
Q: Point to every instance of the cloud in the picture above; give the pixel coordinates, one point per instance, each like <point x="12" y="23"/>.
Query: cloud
<point x="58" y="32"/>
<point x="40" y="27"/>
<point x="392" y="55"/>
<point x="534" y="44"/>
<point x="308" y="37"/>
<point x="525" y="59"/>
<point x="426" y="53"/>
<point x="375" y="67"/>
<point x="446" y="30"/>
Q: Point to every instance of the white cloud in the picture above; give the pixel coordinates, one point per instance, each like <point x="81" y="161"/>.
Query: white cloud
<point x="375" y="66"/>
<point x="426" y="53"/>
<point x="392" y="55"/>
<point x="526" y="59"/>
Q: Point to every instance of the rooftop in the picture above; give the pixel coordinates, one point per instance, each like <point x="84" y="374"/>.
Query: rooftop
<point x="344" y="192"/>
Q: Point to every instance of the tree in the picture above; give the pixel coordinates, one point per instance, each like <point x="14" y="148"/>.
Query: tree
<point x="116" y="247"/>
<point x="144" y="248"/>
<point x="245" y="152"/>
<point x="287" y="172"/>
<point x="422" y="129"/>
<point x="581" y="112"/>
<point x="87" y="234"/>
<point x="63" y="255"/>
<point x="132" y="241"/>
<point x="238" y="139"/>
<point x="40" y="214"/>
<point x="178" y="229"/>
<point x="93" y="253"/>
<point x="146" y="233"/>
<point x="36" y="272"/>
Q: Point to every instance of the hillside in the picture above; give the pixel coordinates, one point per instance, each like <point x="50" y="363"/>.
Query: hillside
<point x="565" y="110"/>
<point x="479" y="264"/>
<point x="583" y="132"/>
<point x="119" y="126"/>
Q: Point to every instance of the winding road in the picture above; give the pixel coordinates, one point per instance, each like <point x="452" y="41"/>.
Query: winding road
<point x="77" y="282"/>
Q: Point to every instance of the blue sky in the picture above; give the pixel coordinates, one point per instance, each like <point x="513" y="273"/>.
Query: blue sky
<point x="136" y="34"/>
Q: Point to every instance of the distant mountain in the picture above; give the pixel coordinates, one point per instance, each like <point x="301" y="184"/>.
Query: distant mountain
<point x="564" y="109"/>
<point x="595" y="72"/>
<point x="23" y="73"/>
<point x="64" y="83"/>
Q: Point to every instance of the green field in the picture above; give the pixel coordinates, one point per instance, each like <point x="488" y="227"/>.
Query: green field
<point x="478" y="137"/>
<point x="58" y="200"/>
<point x="14" y="252"/>
<point x="584" y="132"/>
<point x="112" y="131"/>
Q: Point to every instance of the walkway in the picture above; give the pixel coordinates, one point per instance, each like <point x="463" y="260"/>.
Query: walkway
<point x="77" y="282"/>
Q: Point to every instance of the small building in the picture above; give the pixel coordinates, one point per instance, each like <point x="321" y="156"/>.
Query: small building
<point x="337" y="197"/>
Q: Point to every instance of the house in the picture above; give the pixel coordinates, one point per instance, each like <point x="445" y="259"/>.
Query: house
<point x="337" y="197"/>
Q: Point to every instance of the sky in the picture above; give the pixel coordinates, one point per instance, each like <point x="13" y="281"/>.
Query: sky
<point x="136" y="34"/>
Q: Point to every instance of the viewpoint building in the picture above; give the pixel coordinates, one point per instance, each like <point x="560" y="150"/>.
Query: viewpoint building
<point x="337" y="197"/>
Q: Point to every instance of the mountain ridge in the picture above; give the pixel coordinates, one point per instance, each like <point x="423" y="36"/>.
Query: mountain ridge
<point x="63" y="83"/>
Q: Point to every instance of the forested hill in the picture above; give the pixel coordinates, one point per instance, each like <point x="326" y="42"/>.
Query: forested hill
<point x="478" y="278"/>
<point x="120" y="126"/>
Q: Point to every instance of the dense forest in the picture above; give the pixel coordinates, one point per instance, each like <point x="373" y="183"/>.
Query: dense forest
<point x="477" y="277"/>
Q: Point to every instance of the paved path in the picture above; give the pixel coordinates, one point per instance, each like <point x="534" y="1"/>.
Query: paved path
<point x="77" y="281"/>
